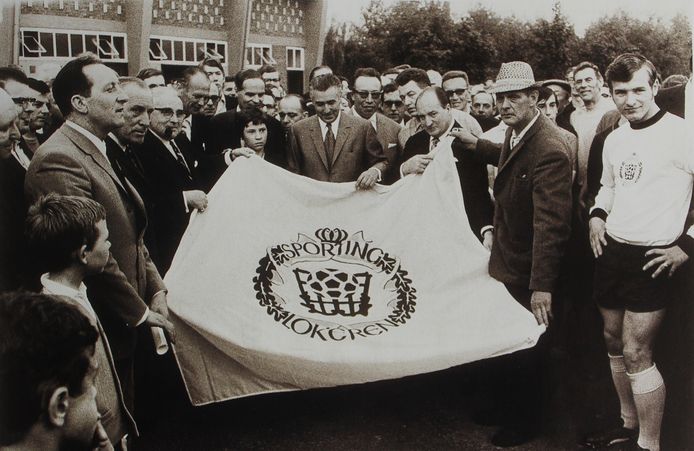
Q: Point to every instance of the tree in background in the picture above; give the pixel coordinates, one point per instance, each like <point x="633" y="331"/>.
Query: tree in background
<point x="424" y="34"/>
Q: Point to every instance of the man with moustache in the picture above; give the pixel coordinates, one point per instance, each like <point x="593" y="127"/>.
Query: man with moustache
<point x="335" y="147"/>
<point x="366" y="97"/>
<point x="172" y="173"/>
<point x="12" y="209"/>
<point x="73" y="161"/>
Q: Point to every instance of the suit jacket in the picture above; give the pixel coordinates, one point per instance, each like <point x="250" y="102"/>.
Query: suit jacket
<point x="356" y="150"/>
<point x="168" y="180"/>
<point x="12" y="214"/>
<point x="110" y="403"/>
<point x="387" y="134"/>
<point x="68" y="163"/>
<point x="226" y="133"/>
<point x="130" y="167"/>
<point x="532" y="217"/>
<point x="672" y="99"/>
<point x="472" y="173"/>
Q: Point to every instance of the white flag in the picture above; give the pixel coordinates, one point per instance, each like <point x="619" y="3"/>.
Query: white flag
<point x="287" y="283"/>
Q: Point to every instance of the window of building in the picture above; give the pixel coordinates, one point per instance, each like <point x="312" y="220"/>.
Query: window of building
<point x="177" y="51"/>
<point x="66" y="44"/>
<point x="295" y="58"/>
<point x="257" y="55"/>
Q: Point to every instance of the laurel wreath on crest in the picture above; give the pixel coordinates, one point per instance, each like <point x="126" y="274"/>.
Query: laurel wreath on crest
<point x="406" y="294"/>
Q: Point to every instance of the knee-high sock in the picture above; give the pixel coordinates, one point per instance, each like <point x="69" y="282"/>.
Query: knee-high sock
<point x="623" y="387"/>
<point x="649" y="396"/>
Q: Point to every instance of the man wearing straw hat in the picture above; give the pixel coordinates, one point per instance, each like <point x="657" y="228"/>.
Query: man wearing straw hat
<point x="532" y="222"/>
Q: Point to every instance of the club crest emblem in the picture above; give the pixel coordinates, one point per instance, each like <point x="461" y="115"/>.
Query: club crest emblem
<point x="630" y="171"/>
<point x="333" y="287"/>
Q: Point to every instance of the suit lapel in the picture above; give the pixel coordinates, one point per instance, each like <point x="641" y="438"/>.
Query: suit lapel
<point x="512" y="152"/>
<point x="343" y="132"/>
<point x="86" y="146"/>
<point x="318" y="141"/>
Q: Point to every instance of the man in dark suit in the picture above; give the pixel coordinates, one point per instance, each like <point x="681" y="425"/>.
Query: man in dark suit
<point x="228" y="131"/>
<point x="366" y="97"/>
<point x="532" y="224"/>
<point x="335" y="147"/>
<point x="73" y="161"/>
<point x="433" y="112"/>
<point x="171" y="171"/>
<point x="121" y="145"/>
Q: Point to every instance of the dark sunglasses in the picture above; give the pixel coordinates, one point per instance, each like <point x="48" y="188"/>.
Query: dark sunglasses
<point x="365" y="94"/>
<point x="393" y="103"/>
<point x="458" y="92"/>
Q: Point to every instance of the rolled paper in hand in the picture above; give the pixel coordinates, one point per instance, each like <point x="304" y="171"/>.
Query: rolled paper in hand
<point x="160" y="343"/>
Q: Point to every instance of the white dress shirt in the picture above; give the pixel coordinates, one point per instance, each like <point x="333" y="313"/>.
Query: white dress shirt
<point x="99" y="143"/>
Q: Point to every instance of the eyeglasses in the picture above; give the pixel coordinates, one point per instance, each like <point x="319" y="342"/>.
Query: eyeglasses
<point x="214" y="99"/>
<point x="458" y="92"/>
<point x="168" y="113"/>
<point x="26" y="101"/>
<point x="393" y="103"/>
<point x="365" y="94"/>
<point x="275" y="80"/>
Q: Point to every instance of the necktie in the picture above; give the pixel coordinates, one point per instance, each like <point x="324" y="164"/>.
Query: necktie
<point x="434" y="143"/>
<point x="514" y="141"/>
<point x="329" y="144"/>
<point x="134" y="160"/>
<point x="185" y="127"/>
<point x="179" y="157"/>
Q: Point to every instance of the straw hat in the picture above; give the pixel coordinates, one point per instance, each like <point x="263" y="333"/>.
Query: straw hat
<point x="514" y="76"/>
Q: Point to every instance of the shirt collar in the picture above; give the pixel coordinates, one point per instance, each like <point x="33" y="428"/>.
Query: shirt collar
<point x="116" y="140"/>
<point x="519" y="136"/>
<point x="334" y="125"/>
<point x="58" y="289"/>
<point x="99" y="143"/>
<point x="372" y="119"/>
<point x="447" y="132"/>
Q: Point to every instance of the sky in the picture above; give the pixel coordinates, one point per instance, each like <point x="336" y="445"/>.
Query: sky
<point x="581" y="12"/>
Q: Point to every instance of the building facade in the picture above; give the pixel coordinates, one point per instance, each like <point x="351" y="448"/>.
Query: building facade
<point x="128" y="35"/>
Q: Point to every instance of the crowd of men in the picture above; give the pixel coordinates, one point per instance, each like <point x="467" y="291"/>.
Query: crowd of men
<point x="580" y="188"/>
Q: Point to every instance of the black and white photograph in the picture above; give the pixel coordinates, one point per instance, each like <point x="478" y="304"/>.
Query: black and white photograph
<point x="346" y="225"/>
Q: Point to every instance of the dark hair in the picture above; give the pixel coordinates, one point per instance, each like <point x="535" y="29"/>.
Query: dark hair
<point x="45" y="343"/>
<point x="148" y="72"/>
<point x="246" y="74"/>
<point x="625" y="65"/>
<point x="267" y="69"/>
<point x="251" y="116"/>
<point x="544" y="93"/>
<point x="71" y="81"/>
<point x="588" y="65"/>
<point x="440" y="95"/>
<point x="12" y="73"/>
<point x="214" y="62"/>
<point x="392" y="70"/>
<point x="390" y="87"/>
<point x="56" y="226"/>
<point x="39" y="86"/>
<point x="366" y="72"/>
<point x="324" y="82"/>
<point x="455" y="74"/>
<point x="296" y="96"/>
<point x="228" y="78"/>
<point x="675" y="80"/>
<point x="311" y="75"/>
<point x="417" y="75"/>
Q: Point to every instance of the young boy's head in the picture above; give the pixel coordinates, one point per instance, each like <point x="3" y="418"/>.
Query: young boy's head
<point x="254" y="129"/>
<point x="67" y="231"/>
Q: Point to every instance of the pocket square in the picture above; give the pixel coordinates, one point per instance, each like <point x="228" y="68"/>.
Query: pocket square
<point x="391" y="145"/>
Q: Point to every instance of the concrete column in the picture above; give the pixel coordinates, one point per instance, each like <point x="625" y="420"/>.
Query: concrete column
<point x="236" y="20"/>
<point x="9" y="32"/>
<point x="316" y="14"/>
<point x="138" y="18"/>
